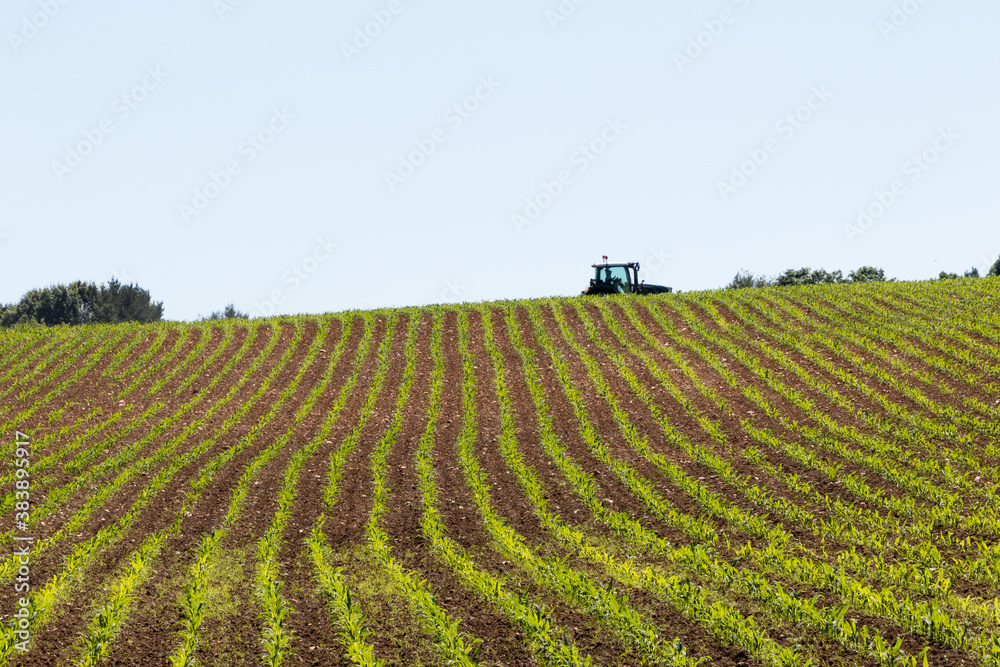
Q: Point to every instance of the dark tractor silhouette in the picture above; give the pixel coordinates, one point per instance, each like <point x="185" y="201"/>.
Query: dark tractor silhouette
<point x="620" y="279"/>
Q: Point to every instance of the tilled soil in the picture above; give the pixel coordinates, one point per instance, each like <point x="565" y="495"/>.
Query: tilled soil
<point x="642" y="418"/>
<point x="46" y="564"/>
<point x="409" y="546"/>
<point x="231" y="634"/>
<point x="154" y="517"/>
<point x="590" y="638"/>
<point x="152" y="633"/>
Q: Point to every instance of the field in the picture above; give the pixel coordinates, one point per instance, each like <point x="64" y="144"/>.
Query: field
<point x="801" y="476"/>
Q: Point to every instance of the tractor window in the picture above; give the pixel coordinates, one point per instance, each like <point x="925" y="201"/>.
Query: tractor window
<point x="617" y="276"/>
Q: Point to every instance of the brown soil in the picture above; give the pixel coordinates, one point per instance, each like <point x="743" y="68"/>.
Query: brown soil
<point x="62" y="632"/>
<point x="232" y="635"/>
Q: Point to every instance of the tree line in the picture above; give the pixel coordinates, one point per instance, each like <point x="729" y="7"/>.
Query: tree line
<point x="806" y="276"/>
<point x="88" y="303"/>
<point x="82" y="303"/>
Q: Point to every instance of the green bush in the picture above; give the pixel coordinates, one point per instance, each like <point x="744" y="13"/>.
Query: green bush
<point x="745" y="279"/>
<point x="228" y="313"/>
<point x="806" y="276"/>
<point x="867" y="274"/>
<point x="82" y="303"/>
<point x="124" y="303"/>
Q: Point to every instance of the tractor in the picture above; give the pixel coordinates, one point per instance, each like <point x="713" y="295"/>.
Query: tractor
<point x="620" y="279"/>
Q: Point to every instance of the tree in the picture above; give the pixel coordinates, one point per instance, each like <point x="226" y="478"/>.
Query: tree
<point x="995" y="269"/>
<point x="819" y="276"/>
<point x="53" y="305"/>
<point x="971" y="273"/>
<point x="867" y="274"/>
<point x="745" y="279"/>
<point x="947" y="276"/>
<point x="82" y="303"/>
<point x="794" y="277"/>
<point x="116" y="302"/>
<point x="229" y="313"/>
<point x="806" y="276"/>
<point x="8" y="314"/>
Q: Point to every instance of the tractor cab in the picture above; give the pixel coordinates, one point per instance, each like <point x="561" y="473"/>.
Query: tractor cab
<point x="620" y="279"/>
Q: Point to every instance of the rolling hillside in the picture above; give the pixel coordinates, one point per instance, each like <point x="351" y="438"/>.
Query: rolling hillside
<point x="801" y="476"/>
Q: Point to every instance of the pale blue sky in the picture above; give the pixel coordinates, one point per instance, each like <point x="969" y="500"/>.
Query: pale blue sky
<point x="664" y="129"/>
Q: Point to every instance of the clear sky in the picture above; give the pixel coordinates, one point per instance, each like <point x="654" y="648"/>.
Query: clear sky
<point x="312" y="156"/>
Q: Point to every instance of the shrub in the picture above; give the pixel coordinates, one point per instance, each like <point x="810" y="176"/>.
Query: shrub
<point x="806" y="276"/>
<point x="745" y="279"/>
<point x="228" y="313"/>
<point x="124" y="303"/>
<point x="82" y="303"/>
<point x="867" y="274"/>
